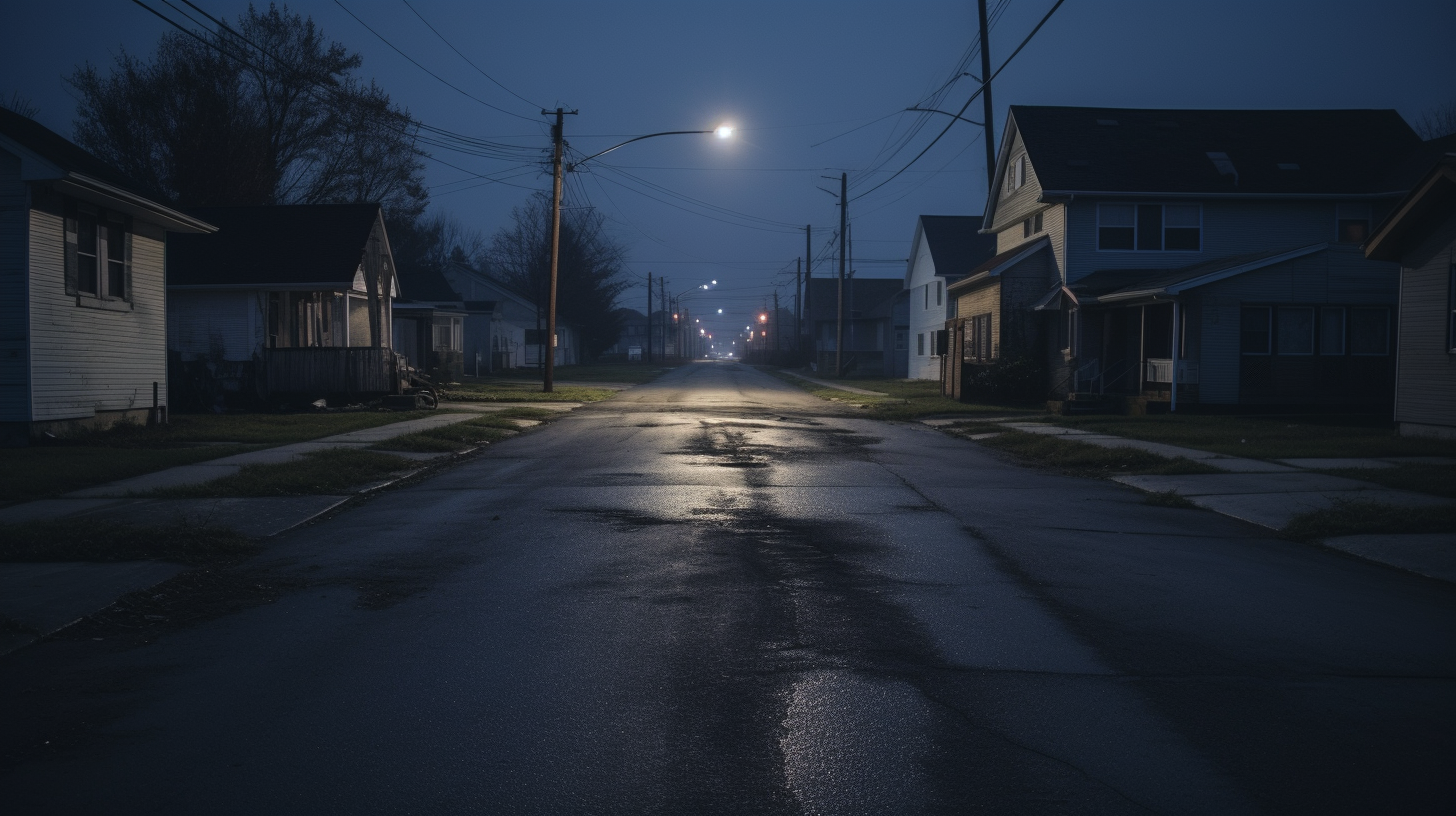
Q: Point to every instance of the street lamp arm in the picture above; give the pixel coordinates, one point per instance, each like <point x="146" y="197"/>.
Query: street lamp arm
<point x="947" y="113"/>
<point x="572" y="166"/>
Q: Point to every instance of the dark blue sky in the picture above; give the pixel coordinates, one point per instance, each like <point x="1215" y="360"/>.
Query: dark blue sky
<point x="789" y="75"/>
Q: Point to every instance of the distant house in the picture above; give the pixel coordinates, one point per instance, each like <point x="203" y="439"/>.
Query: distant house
<point x="1207" y="256"/>
<point x="82" y="298"/>
<point x="1420" y="233"/>
<point x="944" y="250"/>
<point x="631" y="343"/>
<point x="431" y="323"/>
<point x="869" y="324"/>
<point x="518" y="342"/>
<point x="283" y="300"/>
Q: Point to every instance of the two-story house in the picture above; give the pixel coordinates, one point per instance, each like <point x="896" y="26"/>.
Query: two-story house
<point x="1208" y="256"/>
<point x="516" y="336"/>
<point x="944" y="250"/>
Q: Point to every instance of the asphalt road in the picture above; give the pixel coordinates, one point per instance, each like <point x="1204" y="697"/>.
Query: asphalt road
<point x="717" y="594"/>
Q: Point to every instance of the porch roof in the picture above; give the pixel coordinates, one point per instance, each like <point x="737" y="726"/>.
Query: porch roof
<point x="1107" y="286"/>
<point x="998" y="264"/>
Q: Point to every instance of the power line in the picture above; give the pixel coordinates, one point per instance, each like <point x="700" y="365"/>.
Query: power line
<point x="467" y="59"/>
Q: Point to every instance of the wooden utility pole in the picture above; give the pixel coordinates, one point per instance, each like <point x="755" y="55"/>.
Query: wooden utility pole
<point x="798" y="315"/>
<point x="662" y="303"/>
<point x="649" y="317"/>
<point x="777" y="347"/>
<point x="986" y="98"/>
<point x="808" y="273"/>
<point x="558" y="138"/>
<point x="843" y="225"/>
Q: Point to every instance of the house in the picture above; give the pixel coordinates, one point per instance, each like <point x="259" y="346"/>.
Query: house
<point x="1420" y="233"/>
<point x="1204" y="256"/>
<point x="83" y="321"/>
<point x="517" y="342"/>
<point x="631" y="344"/>
<point x="944" y="250"/>
<point x="282" y="301"/>
<point x="869" y="324"/>
<point x="431" y="327"/>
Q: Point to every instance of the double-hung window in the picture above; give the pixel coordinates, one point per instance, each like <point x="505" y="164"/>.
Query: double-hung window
<point x="1150" y="227"/>
<point x="96" y="250"/>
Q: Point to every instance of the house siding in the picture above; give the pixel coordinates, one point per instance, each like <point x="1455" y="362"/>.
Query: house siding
<point x="1426" y="379"/>
<point x="923" y="319"/>
<point x="14" y="348"/>
<point x="1012" y="209"/>
<point x="84" y="360"/>
<point x="1339" y="276"/>
<point x="217" y="325"/>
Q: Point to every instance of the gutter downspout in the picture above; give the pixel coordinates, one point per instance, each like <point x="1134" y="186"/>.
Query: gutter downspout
<point x="1173" y="408"/>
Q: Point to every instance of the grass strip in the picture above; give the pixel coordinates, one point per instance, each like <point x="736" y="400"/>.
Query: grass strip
<point x="1356" y="517"/>
<point x="27" y="474"/>
<point x="1084" y="459"/>
<point x="100" y="540"/>
<point x="323" y="472"/>
<point x="450" y="438"/>
<point x="1419" y="477"/>
<point x="520" y="391"/>
<point x="1269" y="437"/>
<point x="904" y="399"/>
<point x="634" y="373"/>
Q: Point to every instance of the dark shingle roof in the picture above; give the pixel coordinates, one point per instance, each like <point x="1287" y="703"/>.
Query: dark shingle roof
<point x="59" y="150"/>
<point x="274" y="245"/>
<point x="425" y="285"/>
<point x="956" y="245"/>
<point x="1166" y="151"/>
<point x="1112" y="284"/>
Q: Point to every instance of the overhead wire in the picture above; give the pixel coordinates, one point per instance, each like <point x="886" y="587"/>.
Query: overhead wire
<point x="467" y="59"/>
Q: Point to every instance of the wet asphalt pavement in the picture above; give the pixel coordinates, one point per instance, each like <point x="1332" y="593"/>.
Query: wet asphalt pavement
<point x="717" y="594"/>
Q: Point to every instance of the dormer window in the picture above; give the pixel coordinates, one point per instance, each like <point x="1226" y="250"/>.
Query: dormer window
<point x="1352" y="223"/>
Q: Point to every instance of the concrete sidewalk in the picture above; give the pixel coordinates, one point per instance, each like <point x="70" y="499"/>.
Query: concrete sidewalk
<point x="1271" y="493"/>
<point x="38" y="599"/>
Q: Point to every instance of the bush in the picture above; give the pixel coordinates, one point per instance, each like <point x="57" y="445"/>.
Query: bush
<point x="1014" y="379"/>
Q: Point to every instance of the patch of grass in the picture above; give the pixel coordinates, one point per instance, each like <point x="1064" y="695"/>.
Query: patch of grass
<point x="98" y="540"/>
<point x="334" y="470"/>
<point x="903" y="399"/>
<point x="1083" y="459"/>
<point x="459" y="436"/>
<point x="1437" y="480"/>
<point x="1269" y="437"/>
<point x="1168" y="498"/>
<point x="27" y="474"/>
<point x="1354" y="517"/>
<point x="499" y="390"/>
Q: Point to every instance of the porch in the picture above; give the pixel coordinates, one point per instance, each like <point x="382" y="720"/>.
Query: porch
<point x="325" y="371"/>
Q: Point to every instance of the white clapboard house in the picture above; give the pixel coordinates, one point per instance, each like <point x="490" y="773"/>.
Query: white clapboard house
<point x="82" y="293"/>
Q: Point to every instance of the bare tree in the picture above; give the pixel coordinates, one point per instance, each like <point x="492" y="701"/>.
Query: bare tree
<point x="589" y="269"/>
<point x="266" y="111"/>
<point x="21" y="105"/>
<point x="1437" y="121"/>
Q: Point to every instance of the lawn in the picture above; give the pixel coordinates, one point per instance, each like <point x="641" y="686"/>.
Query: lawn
<point x="1361" y="517"/>
<point x="485" y="389"/>
<point x="1269" y="437"/>
<point x="904" y="399"/>
<point x="1438" y="480"/>
<point x="80" y="539"/>
<point x="1078" y="458"/>
<point x="53" y="467"/>
<point x="461" y="435"/>
<point x="322" y="472"/>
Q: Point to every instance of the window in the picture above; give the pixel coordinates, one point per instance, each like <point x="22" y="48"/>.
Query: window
<point x="1015" y="176"/>
<point x="1149" y="227"/>
<point x="902" y="340"/>
<point x="1369" y="334"/>
<point x="920" y="344"/>
<point x="927" y="296"/>
<point x="1352" y="223"/>
<point x="1031" y="226"/>
<point x="95" y="245"/>
<point x="1332" y="331"/>
<point x="940" y="293"/>
<point x="979" y="346"/>
<point x="1296" y="330"/>
<point x="1254" y="326"/>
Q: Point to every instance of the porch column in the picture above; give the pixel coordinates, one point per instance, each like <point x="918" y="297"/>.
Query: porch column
<point x="1174" y="376"/>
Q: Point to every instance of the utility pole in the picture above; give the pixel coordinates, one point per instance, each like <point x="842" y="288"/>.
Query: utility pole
<point x="662" y="303"/>
<point x="798" y="316"/>
<point x="777" y="347"/>
<point x="808" y="273"/>
<point x="986" y="98"/>
<point x="558" y="138"/>
<point x="843" y="224"/>
<point x="649" y="317"/>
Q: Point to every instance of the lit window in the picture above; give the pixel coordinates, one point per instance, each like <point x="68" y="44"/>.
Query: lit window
<point x="1352" y="223"/>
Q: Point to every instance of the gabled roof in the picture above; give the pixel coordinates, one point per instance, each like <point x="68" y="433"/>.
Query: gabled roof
<point x="956" y="245"/>
<point x="1113" y="285"/>
<point x="493" y="282"/>
<point x="999" y="263"/>
<point x="1133" y="151"/>
<point x="871" y="297"/>
<point x="1432" y="201"/>
<point x="426" y="286"/>
<point x="52" y="157"/>
<point x="278" y="246"/>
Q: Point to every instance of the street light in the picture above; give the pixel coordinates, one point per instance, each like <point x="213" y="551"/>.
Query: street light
<point x="558" y="137"/>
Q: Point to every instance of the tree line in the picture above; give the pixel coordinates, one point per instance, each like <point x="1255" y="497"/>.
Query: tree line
<point x="268" y="110"/>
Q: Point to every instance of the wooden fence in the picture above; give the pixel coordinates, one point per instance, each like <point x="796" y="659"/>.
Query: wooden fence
<point x="331" y="370"/>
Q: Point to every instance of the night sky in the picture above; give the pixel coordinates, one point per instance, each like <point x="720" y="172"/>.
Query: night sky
<point x="789" y="76"/>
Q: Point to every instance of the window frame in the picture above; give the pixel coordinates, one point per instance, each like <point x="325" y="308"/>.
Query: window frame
<point x="1349" y="350"/>
<point x="1268" y="331"/>
<point x="1320" y="329"/>
<point x="1136" y="231"/>
<point x="101" y="276"/>
<point x="1341" y="218"/>
<point x="1279" y="324"/>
